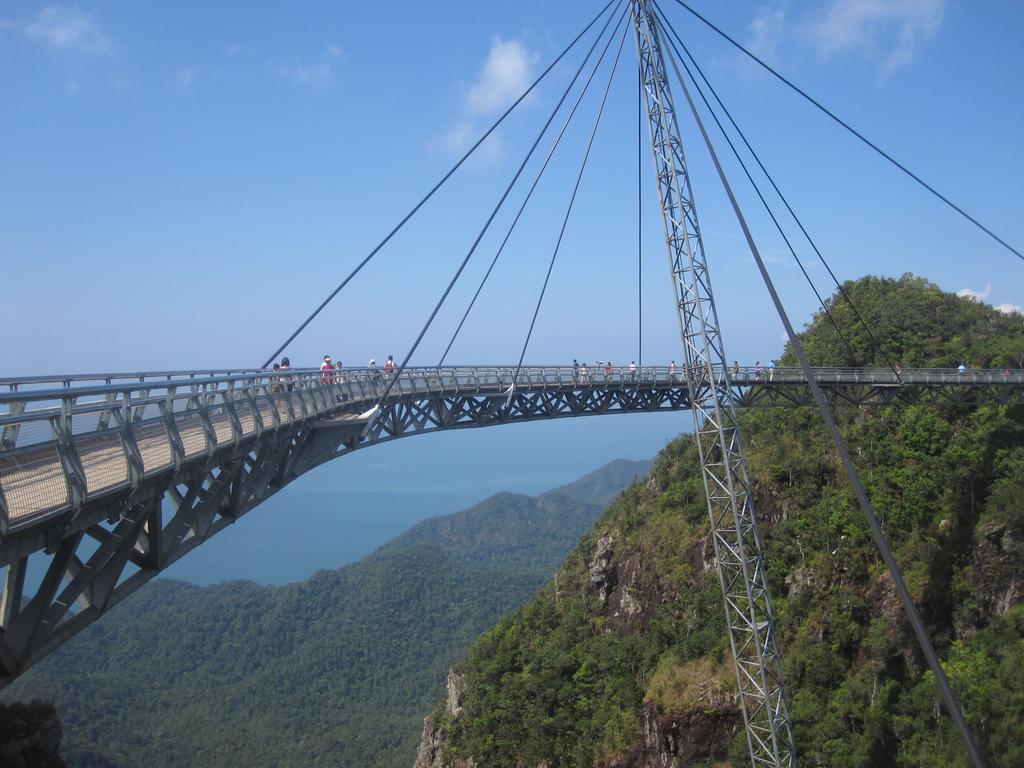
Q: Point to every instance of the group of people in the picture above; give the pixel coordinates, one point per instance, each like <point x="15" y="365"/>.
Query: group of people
<point x="761" y="373"/>
<point x="581" y="373"/>
<point x="330" y="372"/>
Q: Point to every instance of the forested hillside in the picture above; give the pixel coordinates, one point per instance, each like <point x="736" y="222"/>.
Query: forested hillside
<point x="336" y="671"/>
<point x="623" y="660"/>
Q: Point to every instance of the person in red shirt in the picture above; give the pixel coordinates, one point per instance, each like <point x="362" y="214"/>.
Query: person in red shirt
<point x="327" y="371"/>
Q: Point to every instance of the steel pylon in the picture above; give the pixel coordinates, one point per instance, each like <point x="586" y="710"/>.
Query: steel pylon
<point x="737" y="543"/>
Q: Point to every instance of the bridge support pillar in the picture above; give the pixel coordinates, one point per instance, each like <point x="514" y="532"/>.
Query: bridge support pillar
<point x="737" y="542"/>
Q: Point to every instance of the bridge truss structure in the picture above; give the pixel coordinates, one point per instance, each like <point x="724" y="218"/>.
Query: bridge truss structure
<point x="105" y="480"/>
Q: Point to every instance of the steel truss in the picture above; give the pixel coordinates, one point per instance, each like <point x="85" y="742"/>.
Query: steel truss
<point x="114" y="544"/>
<point x="94" y="567"/>
<point x="114" y="534"/>
<point x="738" y="549"/>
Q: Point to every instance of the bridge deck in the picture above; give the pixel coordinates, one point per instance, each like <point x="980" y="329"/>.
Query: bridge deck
<point x="91" y="436"/>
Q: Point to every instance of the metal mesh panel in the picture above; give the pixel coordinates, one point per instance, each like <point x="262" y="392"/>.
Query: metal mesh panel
<point x="83" y="423"/>
<point x="30" y="432"/>
<point x="266" y="409"/>
<point x="147" y="411"/>
<point x="154" y="445"/>
<point x="281" y="403"/>
<point x="311" y="405"/>
<point x="193" y="436"/>
<point x="245" y="417"/>
<point x="33" y="485"/>
<point x="104" y="462"/>
<point x="221" y="425"/>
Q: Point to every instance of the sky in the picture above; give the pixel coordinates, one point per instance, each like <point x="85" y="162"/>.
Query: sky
<point x="182" y="183"/>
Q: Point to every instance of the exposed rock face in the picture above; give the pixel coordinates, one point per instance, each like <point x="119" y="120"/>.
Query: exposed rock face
<point x="998" y="564"/>
<point x="430" y="753"/>
<point x="602" y="575"/>
<point x="30" y="736"/>
<point x="456" y="692"/>
<point x="679" y="740"/>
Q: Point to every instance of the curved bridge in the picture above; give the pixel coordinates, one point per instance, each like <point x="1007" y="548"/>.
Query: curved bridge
<point x="115" y="477"/>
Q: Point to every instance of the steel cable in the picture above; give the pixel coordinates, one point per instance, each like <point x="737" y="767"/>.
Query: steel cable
<point x="842" y="290"/>
<point x="536" y="181"/>
<point x="438" y="185"/>
<point x="856" y="133"/>
<point x="568" y="212"/>
<point x="920" y="631"/>
<point x="757" y="189"/>
<point x="639" y="216"/>
<point x="483" y="231"/>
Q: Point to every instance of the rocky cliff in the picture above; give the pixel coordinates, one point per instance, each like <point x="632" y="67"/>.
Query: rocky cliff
<point x="30" y="735"/>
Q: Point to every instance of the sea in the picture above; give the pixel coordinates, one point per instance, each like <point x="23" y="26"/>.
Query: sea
<point x="349" y="507"/>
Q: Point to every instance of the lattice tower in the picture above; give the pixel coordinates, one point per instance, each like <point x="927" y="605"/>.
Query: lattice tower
<point x="737" y="543"/>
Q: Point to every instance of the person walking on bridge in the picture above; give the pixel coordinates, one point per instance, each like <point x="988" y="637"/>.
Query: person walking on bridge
<point x="672" y="371"/>
<point x="632" y="371"/>
<point x="286" y="366"/>
<point x="389" y="367"/>
<point x="327" y="371"/>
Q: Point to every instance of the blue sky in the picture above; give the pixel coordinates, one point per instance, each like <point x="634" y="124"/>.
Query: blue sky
<point x="183" y="182"/>
<point x="180" y="183"/>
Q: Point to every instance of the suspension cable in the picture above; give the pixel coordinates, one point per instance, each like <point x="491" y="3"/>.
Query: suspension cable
<point x="536" y="181"/>
<point x="757" y="189"/>
<point x="857" y="133"/>
<point x="483" y="231"/>
<point x="568" y="212"/>
<point x="639" y="215"/>
<point x="438" y="185"/>
<point x="842" y="290"/>
<point x="921" y="633"/>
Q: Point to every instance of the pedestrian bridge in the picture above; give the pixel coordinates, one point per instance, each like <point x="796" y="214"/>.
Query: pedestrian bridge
<point x="116" y="476"/>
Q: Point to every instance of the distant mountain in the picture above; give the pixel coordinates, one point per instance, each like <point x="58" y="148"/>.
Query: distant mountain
<point x="602" y="485"/>
<point x="517" y="532"/>
<point x="337" y="670"/>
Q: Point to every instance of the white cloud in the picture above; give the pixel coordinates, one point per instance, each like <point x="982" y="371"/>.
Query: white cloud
<point x="317" y="75"/>
<point x="1010" y="309"/>
<point x="462" y="136"/>
<point x="976" y="295"/>
<point x="889" y="31"/>
<point x="185" y="77"/>
<point x="507" y="72"/>
<point x="68" y="29"/>
<point x="766" y="32"/>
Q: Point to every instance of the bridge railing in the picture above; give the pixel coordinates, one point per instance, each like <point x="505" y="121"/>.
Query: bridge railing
<point x="68" y="438"/>
<point x="65" y="439"/>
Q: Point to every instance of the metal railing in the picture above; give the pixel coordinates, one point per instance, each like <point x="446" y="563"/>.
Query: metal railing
<point x="68" y="438"/>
